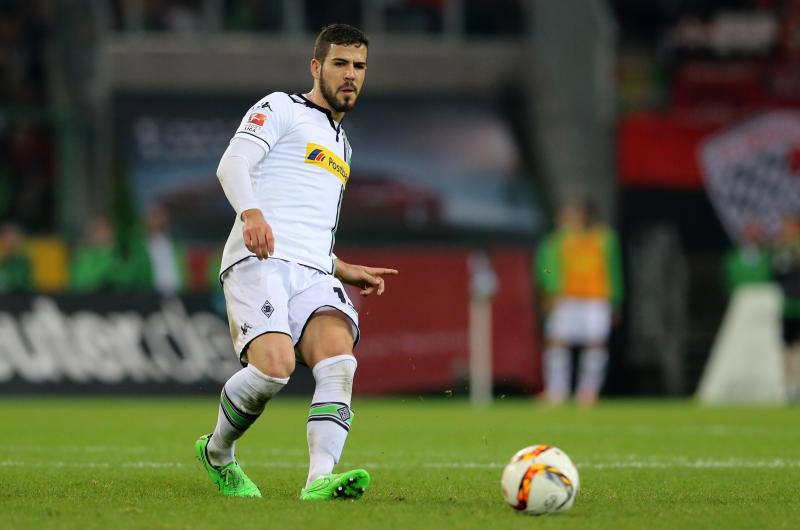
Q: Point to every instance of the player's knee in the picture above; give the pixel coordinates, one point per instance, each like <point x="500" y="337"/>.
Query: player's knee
<point x="275" y="360"/>
<point x="337" y="370"/>
<point x="328" y="334"/>
<point x="275" y="364"/>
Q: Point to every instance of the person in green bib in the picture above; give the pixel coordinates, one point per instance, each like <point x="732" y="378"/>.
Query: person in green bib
<point x="750" y="262"/>
<point x="15" y="265"/>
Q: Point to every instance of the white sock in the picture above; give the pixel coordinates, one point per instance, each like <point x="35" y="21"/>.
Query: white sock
<point x="330" y="415"/>
<point x="242" y="400"/>
<point x="557" y="372"/>
<point x="592" y="371"/>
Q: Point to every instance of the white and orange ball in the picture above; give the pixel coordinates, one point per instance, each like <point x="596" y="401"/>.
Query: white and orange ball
<point x="540" y="479"/>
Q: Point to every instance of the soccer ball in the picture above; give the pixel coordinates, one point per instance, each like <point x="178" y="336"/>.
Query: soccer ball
<point x="540" y="479"/>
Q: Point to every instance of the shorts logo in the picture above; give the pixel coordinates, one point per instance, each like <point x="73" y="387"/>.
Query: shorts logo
<point x="267" y="309"/>
<point x="344" y="413"/>
<point x="257" y="118"/>
<point x="324" y="158"/>
<point x="245" y="328"/>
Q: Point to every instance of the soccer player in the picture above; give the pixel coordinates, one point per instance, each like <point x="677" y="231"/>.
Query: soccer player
<point x="579" y="273"/>
<point x="284" y="173"/>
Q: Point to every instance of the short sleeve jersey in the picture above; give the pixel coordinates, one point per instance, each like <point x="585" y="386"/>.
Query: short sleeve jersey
<point x="300" y="182"/>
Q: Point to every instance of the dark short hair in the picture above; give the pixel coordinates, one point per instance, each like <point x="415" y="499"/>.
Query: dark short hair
<point x="337" y="34"/>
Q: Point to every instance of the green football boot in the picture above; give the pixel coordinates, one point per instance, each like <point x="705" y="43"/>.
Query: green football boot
<point x="230" y="479"/>
<point x="348" y="485"/>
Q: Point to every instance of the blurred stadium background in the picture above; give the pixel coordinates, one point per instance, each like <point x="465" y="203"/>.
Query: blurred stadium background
<point x="479" y="117"/>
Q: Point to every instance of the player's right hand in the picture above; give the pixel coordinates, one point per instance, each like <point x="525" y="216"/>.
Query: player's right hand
<point x="257" y="233"/>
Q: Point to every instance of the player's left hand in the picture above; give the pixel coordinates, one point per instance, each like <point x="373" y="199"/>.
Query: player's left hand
<point x="368" y="279"/>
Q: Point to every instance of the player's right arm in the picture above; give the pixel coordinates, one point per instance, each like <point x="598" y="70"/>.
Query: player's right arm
<point x="260" y="129"/>
<point x="234" y="175"/>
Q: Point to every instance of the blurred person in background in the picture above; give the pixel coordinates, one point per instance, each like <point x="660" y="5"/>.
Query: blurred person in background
<point x="749" y="262"/>
<point x="787" y="273"/>
<point x="96" y="264"/>
<point x="15" y="265"/>
<point x="580" y="277"/>
<point x="166" y="257"/>
<point x="284" y="173"/>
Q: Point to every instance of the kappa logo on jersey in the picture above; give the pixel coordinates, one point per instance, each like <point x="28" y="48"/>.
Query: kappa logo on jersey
<point x="324" y="158"/>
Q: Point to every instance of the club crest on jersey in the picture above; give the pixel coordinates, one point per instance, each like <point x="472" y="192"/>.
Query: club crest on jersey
<point x="324" y="158"/>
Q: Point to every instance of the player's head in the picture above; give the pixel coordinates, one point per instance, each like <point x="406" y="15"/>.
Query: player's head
<point x="577" y="215"/>
<point x="10" y="238"/>
<point x="339" y="65"/>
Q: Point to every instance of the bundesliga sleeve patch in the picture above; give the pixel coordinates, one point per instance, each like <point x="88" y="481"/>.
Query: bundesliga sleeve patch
<point x="255" y="122"/>
<point x="257" y="118"/>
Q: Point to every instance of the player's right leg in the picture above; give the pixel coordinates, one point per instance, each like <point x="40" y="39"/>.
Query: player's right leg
<point x="242" y="400"/>
<point x="260" y="332"/>
<point x="557" y="356"/>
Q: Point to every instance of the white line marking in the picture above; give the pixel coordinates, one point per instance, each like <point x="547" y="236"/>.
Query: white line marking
<point x="776" y="463"/>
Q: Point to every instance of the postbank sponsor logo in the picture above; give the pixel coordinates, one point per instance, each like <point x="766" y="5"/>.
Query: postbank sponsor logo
<point x="324" y="158"/>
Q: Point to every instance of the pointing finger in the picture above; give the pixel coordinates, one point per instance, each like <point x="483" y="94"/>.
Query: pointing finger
<point x="377" y="270"/>
<point x="270" y="241"/>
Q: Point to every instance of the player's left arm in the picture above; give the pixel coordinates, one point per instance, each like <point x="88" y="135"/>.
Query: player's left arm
<point x="368" y="279"/>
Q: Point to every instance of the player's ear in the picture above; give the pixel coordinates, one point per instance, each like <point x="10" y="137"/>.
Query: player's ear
<point x="315" y="68"/>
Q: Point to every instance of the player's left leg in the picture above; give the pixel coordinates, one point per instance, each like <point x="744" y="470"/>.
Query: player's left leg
<point x="593" y="363"/>
<point x="596" y="323"/>
<point x="327" y="347"/>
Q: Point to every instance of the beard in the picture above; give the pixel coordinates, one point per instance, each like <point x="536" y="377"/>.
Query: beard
<point x="329" y="93"/>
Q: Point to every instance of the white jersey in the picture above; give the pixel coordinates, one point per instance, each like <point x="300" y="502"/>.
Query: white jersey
<point x="300" y="182"/>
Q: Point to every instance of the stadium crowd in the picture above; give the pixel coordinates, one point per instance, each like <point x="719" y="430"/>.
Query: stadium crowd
<point x="480" y="17"/>
<point x="142" y="258"/>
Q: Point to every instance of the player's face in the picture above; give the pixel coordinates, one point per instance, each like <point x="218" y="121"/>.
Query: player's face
<point x="341" y="76"/>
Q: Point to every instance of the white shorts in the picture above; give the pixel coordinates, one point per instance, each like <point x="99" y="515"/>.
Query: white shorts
<point x="579" y="321"/>
<point x="276" y="296"/>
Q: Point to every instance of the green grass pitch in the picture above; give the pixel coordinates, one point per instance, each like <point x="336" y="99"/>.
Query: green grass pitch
<point x="128" y="463"/>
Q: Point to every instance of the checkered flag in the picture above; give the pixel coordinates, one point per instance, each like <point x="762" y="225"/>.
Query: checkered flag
<point x="751" y="172"/>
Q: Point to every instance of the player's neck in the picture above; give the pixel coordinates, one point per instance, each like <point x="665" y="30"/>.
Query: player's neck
<point x="315" y="97"/>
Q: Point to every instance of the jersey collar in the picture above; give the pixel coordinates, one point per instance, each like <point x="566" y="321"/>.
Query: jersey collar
<point x="336" y="126"/>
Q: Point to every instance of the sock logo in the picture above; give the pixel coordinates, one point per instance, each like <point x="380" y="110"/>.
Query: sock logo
<point x="333" y="411"/>
<point x="267" y="309"/>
